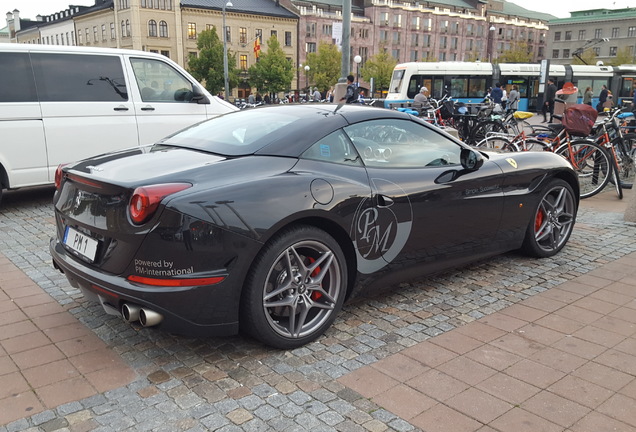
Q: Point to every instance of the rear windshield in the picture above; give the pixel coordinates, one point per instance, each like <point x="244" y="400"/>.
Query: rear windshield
<point x="234" y="134"/>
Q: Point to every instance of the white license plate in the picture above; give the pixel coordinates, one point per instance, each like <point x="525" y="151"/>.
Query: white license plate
<point x="80" y="243"/>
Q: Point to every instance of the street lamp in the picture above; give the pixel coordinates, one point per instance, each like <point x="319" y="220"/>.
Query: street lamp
<point x="491" y="41"/>
<point x="357" y="59"/>
<point x="307" y="79"/>
<point x="225" y="67"/>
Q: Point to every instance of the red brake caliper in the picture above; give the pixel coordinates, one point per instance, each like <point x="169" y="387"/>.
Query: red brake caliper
<point x="315" y="295"/>
<point x="538" y="221"/>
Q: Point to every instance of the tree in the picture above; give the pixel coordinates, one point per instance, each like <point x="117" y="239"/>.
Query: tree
<point x="324" y="66"/>
<point x="518" y="53"/>
<point x="380" y="68"/>
<point x="588" y="57"/>
<point x="208" y="66"/>
<point x="272" y="73"/>
<point x="623" y="56"/>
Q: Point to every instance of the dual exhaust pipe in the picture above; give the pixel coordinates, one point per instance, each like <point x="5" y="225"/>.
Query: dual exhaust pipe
<point x="146" y="317"/>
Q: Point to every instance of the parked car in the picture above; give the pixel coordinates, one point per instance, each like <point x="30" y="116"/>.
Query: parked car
<point x="63" y="103"/>
<point x="267" y="220"/>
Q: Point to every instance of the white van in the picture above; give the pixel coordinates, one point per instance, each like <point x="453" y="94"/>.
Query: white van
<point x="59" y="104"/>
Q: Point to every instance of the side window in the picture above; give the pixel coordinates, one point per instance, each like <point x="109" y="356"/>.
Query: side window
<point x="76" y="77"/>
<point x="335" y="148"/>
<point x="160" y="82"/>
<point x="16" y="78"/>
<point x="392" y="143"/>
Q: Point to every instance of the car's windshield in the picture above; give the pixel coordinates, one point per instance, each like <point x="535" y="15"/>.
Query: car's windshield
<point x="234" y="134"/>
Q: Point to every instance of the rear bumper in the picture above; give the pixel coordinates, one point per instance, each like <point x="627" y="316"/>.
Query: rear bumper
<point x="194" y="311"/>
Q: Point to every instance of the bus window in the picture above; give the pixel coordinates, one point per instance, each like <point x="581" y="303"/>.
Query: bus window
<point x="396" y="81"/>
<point x="459" y="87"/>
<point x="477" y="87"/>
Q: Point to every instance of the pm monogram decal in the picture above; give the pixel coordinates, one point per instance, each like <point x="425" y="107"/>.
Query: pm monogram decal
<point x="381" y="227"/>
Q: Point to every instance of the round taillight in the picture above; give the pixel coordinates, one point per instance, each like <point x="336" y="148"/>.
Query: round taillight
<point x="146" y="199"/>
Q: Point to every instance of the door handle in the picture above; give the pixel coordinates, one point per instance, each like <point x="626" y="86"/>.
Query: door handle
<point x="384" y="201"/>
<point x="121" y="108"/>
<point x="147" y="108"/>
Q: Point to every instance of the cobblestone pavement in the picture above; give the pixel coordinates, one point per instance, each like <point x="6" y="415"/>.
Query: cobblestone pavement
<point x="235" y="384"/>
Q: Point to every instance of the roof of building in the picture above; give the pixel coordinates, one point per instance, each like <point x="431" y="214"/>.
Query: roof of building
<point x="516" y="10"/>
<point x="255" y="7"/>
<point x="592" y="15"/>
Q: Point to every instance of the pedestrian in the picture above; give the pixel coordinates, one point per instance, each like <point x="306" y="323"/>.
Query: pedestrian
<point x="504" y="98"/>
<point x="588" y="95"/>
<point x="548" y="104"/>
<point x="317" y="97"/>
<point x="250" y="99"/>
<point x="496" y="94"/>
<point x="602" y="98"/>
<point x="351" y="94"/>
<point x="513" y="100"/>
<point x="420" y="101"/>
<point x="329" y="95"/>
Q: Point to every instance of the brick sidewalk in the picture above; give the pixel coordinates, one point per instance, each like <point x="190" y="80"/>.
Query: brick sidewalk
<point x="564" y="359"/>
<point x="47" y="357"/>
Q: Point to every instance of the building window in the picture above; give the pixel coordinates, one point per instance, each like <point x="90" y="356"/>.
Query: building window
<point x="311" y="30"/>
<point x="415" y="39"/>
<point x="113" y="34"/>
<point x="613" y="51"/>
<point x="259" y="35"/>
<point x="384" y="19"/>
<point x="192" y="30"/>
<point x="327" y="29"/>
<point x="454" y="43"/>
<point x="274" y="33"/>
<point x="243" y="35"/>
<point x="143" y="3"/>
<point x="80" y="40"/>
<point x="414" y="57"/>
<point x="443" y="26"/>
<point x="469" y="29"/>
<point x="397" y="21"/>
<point x="566" y="53"/>
<point x="442" y="56"/>
<point x="152" y="28"/>
<point x="165" y="53"/>
<point x="598" y="33"/>
<point x="426" y="41"/>
<point x="581" y="34"/>
<point x="631" y="31"/>
<point x="415" y="24"/>
<point x="243" y="62"/>
<point x="228" y="34"/>
<point x="568" y="35"/>
<point x="396" y="54"/>
<point x="310" y="47"/>
<point x="597" y="51"/>
<point x="616" y="32"/>
<point x="427" y="24"/>
<point x="555" y="53"/>
<point x="163" y="29"/>
<point x="384" y="36"/>
<point x="95" y="34"/>
<point x="454" y="27"/>
<point x="123" y="30"/>
<point x="128" y="33"/>
<point x="557" y="36"/>
<point x="288" y="38"/>
<point x="442" y="42"/>
<point x="396" y="37"/>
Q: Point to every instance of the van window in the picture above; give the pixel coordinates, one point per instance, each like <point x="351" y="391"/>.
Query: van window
<point x="75" y="78"/>
<point x="16" y="78"/>
<point x="160" y="82"/>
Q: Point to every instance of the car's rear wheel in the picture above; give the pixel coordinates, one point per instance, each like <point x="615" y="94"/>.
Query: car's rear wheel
<point x="295" y="288"/>
<point x="552" y="220"/>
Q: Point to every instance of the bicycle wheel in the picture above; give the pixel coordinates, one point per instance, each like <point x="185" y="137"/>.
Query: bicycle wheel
<point x="480" y="131"/>
<point x="625" y="149"/>
<point x="533" y="144"/>
<point x="497" y="143"/>
<point x="591" y="163"/>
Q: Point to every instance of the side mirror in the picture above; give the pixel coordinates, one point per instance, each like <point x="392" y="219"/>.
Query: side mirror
<point x="471" y="160"/>
<point x="198" y="96"/>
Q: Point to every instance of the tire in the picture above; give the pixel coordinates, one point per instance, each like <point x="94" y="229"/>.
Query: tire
<point x="497" y="143"/>
<point x="591" y="163"/>
<point x="480" y="131"/>
<point x="552" y="220"/>
<point x="295" y="288"/>
<point x="625" y="152"/>
<point x="535" y="145"/>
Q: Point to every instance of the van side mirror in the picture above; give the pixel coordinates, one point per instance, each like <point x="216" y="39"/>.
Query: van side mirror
<point x="470" y="159"/>
<point x="198" y="96"/>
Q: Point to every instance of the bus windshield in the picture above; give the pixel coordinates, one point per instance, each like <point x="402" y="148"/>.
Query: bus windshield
<point x="396" y="81"/>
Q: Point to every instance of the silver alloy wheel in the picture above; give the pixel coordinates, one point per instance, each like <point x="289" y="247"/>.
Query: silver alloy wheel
<point x="301" y="289"/>
<point x="554" y="218"/>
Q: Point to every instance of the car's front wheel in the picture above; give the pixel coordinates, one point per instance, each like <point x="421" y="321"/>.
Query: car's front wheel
<point x="295" y="288"/>
<point x="552" y="222"/>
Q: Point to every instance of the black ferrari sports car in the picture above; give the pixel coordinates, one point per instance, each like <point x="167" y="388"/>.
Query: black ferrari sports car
<point x="267" y="220"/>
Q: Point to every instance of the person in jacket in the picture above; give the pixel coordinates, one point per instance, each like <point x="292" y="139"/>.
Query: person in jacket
<point x="587" y="96"/>
<point x="513" y="100"/>
<point x="496" y="94"/>
<point x="548" y="105"/>
<point x="602" y="98"/>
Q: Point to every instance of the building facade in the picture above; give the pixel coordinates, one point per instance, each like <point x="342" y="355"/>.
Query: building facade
<point x="605" y="31"/>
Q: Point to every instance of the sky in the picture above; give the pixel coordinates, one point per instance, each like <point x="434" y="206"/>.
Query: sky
<point x="558" y="8"/>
